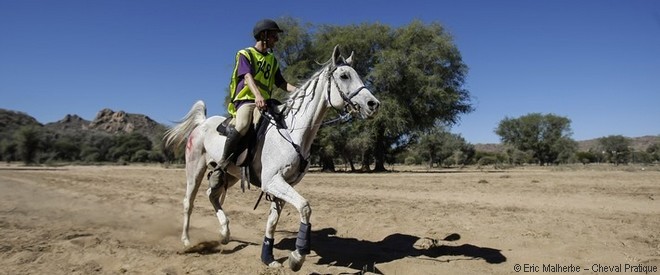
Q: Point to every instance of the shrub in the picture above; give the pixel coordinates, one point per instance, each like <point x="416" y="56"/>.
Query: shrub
<point x="487" y="160"/>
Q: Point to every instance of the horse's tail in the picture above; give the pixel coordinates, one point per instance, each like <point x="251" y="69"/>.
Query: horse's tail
<point x="180" y="132"/>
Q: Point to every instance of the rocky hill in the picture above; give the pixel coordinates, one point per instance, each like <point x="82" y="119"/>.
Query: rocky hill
<point x="10" y="120"/>
<point x="70" y="123"/>
<point x="106" y="121"/>
<point x="111" y="122"/>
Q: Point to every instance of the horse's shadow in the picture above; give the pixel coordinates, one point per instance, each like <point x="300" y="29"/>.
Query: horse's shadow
<point x="364" y="255"/>
<point x="214" y="247"/>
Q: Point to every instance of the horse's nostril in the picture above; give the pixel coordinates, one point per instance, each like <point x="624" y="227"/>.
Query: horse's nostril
<point x="373" y="104"/>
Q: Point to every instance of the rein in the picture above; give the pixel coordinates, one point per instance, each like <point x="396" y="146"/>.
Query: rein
<point x="345" y="114"/>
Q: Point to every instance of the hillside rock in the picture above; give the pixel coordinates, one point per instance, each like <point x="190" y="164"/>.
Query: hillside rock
<point x="69" y="123"/>
<point x="113" y="122"/>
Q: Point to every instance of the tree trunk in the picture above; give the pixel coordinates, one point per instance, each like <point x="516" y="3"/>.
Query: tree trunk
<point x="380" y="151"/>
<point x="327" y="164"/>
<point x="366" y="161"/>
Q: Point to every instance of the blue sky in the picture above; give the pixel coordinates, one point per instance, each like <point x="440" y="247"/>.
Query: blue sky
<point x="596" y="62"/>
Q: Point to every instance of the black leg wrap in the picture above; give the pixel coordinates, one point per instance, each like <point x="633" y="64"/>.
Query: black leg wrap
<point x="304" y="239"/>
<point x="267" y="251"/>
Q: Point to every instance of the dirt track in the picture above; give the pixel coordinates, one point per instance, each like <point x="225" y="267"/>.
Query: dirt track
<point x="126" y="220"/>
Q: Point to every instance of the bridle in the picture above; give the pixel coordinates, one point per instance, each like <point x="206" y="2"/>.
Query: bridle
<point x="349" y="107"/>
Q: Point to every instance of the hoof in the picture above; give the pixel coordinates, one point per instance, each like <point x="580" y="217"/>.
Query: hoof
<point x="296" y="260"/>
<point x="274" y="264"/>
<point x="225" y="237"/>
<point x="224" y="241"/>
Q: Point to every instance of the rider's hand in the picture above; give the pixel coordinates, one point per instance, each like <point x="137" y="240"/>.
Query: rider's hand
<point x="261" y="102"/>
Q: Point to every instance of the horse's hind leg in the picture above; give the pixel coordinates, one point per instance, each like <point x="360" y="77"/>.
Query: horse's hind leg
<point x="194" y="175"/>
<point x="217" y="192"/>
<point x="267" y="248"/>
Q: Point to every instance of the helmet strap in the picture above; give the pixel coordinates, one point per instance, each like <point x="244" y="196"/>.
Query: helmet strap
<point x="264" y="39"/>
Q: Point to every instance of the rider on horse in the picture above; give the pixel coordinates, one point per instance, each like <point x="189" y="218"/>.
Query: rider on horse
<point x="257" y="70"/>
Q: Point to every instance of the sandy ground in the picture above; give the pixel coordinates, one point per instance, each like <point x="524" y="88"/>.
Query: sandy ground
<point x="127" y="220"/>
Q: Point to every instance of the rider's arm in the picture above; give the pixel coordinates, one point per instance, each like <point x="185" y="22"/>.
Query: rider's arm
<point x="259" y="99"/>
<point x="282" y="83"/>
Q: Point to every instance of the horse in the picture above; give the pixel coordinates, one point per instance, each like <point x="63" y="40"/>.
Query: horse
<point x="281" y="158"/>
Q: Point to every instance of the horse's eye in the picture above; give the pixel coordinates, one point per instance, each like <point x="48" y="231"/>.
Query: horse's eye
<point x="344" y="76"/>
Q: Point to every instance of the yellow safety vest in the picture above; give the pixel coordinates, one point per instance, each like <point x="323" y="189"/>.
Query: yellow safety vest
<point x="264" y="67"/>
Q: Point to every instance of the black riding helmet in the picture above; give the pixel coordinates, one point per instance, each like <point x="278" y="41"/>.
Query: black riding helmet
<point x="265" y="25"/>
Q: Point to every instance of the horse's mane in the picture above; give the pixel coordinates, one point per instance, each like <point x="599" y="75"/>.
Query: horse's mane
<point x="301" y="93"/>
<point x="295" y="100"/>
<point x="309" y="81"/>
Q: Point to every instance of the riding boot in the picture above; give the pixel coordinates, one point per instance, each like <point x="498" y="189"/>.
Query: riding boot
<point x="231" y="146"/>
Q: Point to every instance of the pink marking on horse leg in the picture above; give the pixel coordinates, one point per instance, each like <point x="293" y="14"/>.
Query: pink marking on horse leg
<point x="190" y="143"/>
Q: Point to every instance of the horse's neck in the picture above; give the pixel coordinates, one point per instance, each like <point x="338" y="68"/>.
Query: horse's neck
<point x="307" y="120"/>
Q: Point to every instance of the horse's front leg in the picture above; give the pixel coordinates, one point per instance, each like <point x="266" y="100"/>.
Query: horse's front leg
<point x="279" y="188"/>
<point x="269" y="240"/>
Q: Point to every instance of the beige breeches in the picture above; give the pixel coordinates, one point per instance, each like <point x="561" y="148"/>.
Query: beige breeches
<point x="245" y="115"/>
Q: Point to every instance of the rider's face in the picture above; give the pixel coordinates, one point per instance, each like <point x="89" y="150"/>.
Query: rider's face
<point x="272" y="38"/>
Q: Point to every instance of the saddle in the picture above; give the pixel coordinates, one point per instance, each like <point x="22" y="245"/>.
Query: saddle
<point x="248" y="145"/>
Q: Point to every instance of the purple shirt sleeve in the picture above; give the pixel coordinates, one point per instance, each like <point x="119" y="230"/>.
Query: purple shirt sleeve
<point x="244" y="67"/>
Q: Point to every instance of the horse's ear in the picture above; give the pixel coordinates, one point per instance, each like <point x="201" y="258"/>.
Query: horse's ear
<point x="336" y="56"/>
<point x="350" y="60"/>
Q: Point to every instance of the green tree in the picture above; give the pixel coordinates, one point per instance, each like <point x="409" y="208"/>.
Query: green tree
<point x="141" y="155"/>
<point x="28" y="140"/>
<point x="127" y="145"/>
<point x="364" y="40"/>
<point x="416" y="72"/>
<point x="430" y="144"/>
<point x="294" y="51"/>
<point x="616" y="148"/>
<point x="586" y="157"/>
<point x="547" y="136"/>
<point x="518" y="157"/>
<point x="326" y="148"/>
<point x="421" y="73"/>
<point x="654" y="152"/>
<point x="66" y="148"/>
<point x="9" y="150"/>
<point x="97" y="147"/>
<point x="440" y="146"/>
